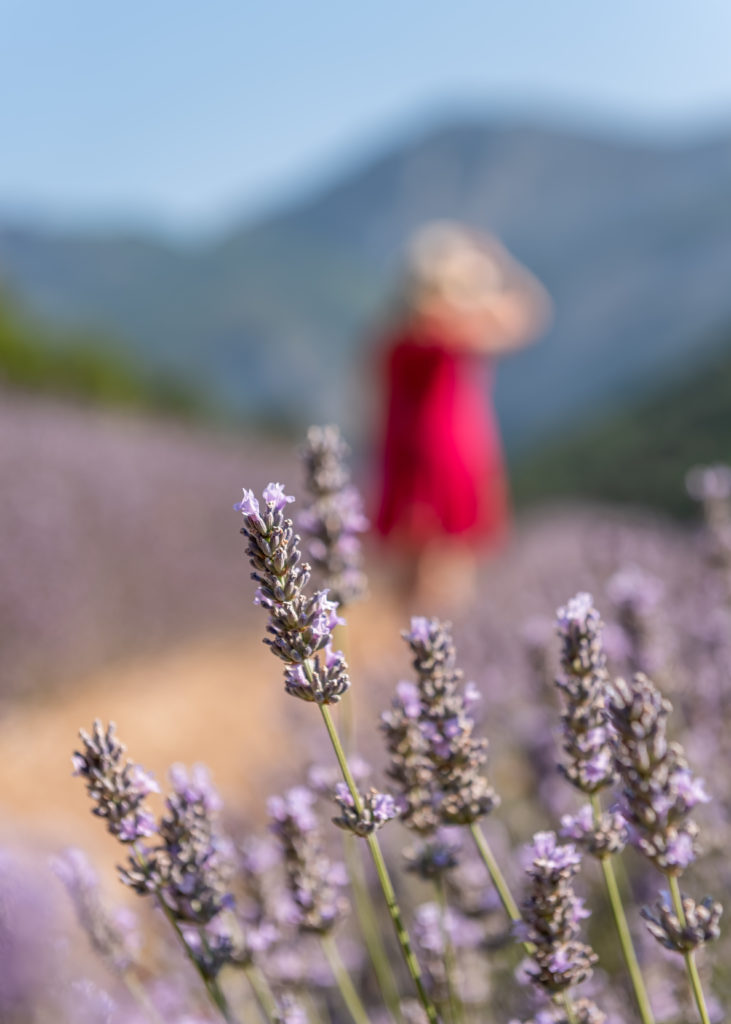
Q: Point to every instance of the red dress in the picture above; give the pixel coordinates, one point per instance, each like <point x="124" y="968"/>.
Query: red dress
<point x="442" y="470"/>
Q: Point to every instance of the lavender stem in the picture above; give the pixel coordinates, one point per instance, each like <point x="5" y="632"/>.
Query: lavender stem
<point x="212" y="987"/>
<point x="369" y="929"/>
<point x="689" y="955"/>
<point x="262" y="992"/>
<point x="455" y="1005"/>
<point x="498" y="879"/>
<point x="623" y="932"/>
<point x="344" y="982"/>
<point x="568" y="1008"/>
<point x="136" y="989"/>
<point x="382" y="871"/>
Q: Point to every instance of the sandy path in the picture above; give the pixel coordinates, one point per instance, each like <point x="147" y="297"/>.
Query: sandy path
<point x="217" y="700"/>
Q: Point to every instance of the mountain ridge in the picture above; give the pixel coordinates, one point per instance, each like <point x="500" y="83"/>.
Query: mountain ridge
<point x="633" y="241"/>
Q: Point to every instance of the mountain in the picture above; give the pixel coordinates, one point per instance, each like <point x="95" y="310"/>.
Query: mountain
<point x="641" y="454"/>
<point x="633" y="242"/>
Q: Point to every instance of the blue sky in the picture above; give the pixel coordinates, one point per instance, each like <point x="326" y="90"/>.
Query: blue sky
<point x="187" y="113"/>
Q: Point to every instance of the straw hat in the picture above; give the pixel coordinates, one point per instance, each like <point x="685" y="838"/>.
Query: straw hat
<point x="450" y="265"/>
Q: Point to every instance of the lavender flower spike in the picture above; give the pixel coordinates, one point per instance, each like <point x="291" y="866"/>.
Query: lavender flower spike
<point x="334" y="518"/>
<point x="113" y="936"/>
<point x="551" y="915"/>
<point x="587" y="740"/>
<point x="300" y="626"/>
<point x="447" y="751"/>
<point x="118" y="788"/>
<point x="314" y="883"/>
<point x="377" y="809"/>
<point x="658" y="790"/>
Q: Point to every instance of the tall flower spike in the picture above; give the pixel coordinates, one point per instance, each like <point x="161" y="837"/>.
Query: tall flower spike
<point x="113" y="935"/>
<point x="447" y="725"/>
<point x="410" y="766"/>
<point x="583" y="682"/>
<point x="551" y="915"/>
<point x="334" y="518"/>
<point x="118" y="787"/>
<point x="658" y="790"/>
<point x="300" y="626"/>
<point x="189" y="870"/>
<point x="199" y="858"/>
<point x="314" y="881"/>
<point x="659" y="793"/>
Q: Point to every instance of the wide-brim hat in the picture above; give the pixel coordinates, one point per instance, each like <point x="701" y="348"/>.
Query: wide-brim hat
<point x="450" y="265"/>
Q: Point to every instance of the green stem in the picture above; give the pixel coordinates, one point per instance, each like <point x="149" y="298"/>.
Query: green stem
<point x="498" y="879"/>
<point x="313" y="1013"/>
<point x="568" y="1008"/>
<point x="623" y="932"/>
<point x="383" y="877"/>
<point x="212" y="987"/>
<point x="344" y="982"/>
<point x="450" y="960"/>
<point x="136" y="989"/>
<point x="347" y="713"/>
<point x="689" y="957"/>
<point x="262" y="992"/>
<point x="369" y="928"/>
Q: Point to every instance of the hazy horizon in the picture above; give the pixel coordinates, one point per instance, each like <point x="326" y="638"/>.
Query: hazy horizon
<point x="329" y="167"/>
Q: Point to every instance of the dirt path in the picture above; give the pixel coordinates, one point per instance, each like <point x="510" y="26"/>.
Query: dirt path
<point x="220" y="701"/>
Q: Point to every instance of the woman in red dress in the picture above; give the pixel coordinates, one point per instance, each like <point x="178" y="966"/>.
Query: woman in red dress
<point x="444" y="494"/>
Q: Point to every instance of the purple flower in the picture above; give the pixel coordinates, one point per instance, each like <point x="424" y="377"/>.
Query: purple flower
<point x="659" y="790"/>
<point x="274" y="494"/>
<point x="408" y="696"/>
<point x="691" y="791"/>
<point x="602" y="837"/>
<point x="315" y="903"/>
<point x="297" y="806"/>
<point x="117" y="787"/>
<point x="384" y="807"/>
<point x="334" y="519"/>
<point x="143" y="781"/>
<point x="471" y="696"/>
<point x="546" y="854"/>
<point x="195" y="786"/>
<point x="679" y="852"/>
<point x="325" y="615"/>
<point x="375" y="810"/>
<point x="577" y="612"/>
<point x="344" y="795"/>
<point x="419" y="632"/>
<point x="709" y="483"/>
<point x="551" y="916"/>
<point x="248" y="505"/>
<point x="578" y="825"/>
<point x="300" y="627"/>
<point x="136" y="826"/>
<point x="587" y="743"/>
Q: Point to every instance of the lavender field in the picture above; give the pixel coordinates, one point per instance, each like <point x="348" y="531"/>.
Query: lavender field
<point x="120" y="543"/>
<point x="116" y="536"/>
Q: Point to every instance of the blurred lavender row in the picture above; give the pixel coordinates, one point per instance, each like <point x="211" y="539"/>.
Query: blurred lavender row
<point x="116" y="535"/>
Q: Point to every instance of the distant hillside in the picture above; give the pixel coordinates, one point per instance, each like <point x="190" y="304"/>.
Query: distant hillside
<point x="85" y="367"/>
<point x="641" y="455"/>
<point x="634" y="243"/>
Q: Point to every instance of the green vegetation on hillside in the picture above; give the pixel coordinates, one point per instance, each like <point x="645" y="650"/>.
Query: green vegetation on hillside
<point x="73" y="364"/>
<point x="640" y="456"/>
